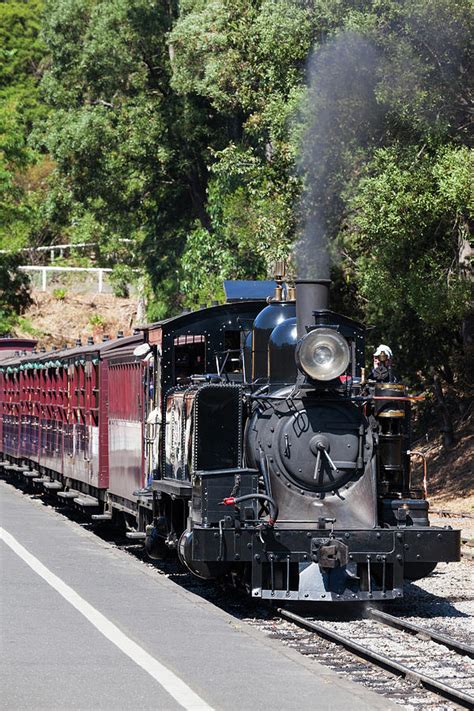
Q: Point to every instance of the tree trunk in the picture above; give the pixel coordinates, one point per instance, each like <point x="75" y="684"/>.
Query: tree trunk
<point x="140" y="317"/>
<point x="198" y="200"/>
<point x="447" y="428"/>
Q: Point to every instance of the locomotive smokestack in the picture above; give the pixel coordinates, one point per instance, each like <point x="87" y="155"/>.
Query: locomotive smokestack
<point x="311" y="295"/>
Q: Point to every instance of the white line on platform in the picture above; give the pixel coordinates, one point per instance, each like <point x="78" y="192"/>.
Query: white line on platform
<point x="180" y="691"/>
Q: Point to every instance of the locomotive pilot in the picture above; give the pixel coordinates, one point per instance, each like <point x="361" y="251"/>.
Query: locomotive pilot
<point x="382" y="368"/>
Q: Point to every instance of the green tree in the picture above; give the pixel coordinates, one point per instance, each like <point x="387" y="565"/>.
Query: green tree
<point x="14" y="292"/>
<point x="14" y="160"/>
<point x="131" y="155"/>
<point x="246" y="61"/>
<point x="22" y="53"/>
<point x="408" y="226"/>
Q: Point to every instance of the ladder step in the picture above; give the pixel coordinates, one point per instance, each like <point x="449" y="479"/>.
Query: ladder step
<point x="41" y="479"/>
<point x="102" y="517"/>
<point x="53" y="485"/>
<point x="68" y="494"/>
<point x="30" y="474"/>
<point x="86" y="501"/>
<point x="136" y="535"/>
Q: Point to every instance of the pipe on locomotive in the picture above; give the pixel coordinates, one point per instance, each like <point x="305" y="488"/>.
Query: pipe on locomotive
<point x="235" y="500"/>
<point x="311" y="295"/>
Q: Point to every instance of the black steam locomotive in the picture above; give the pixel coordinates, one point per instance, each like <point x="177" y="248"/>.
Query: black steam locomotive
<point x="243" y="436"/>
<point x="295" y="477"/>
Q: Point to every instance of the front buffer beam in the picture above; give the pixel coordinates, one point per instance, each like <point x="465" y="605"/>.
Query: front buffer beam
<point x="323" y="565"/>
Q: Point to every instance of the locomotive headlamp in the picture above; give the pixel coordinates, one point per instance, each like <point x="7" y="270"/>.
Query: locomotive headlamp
<point x="323" y="354"/>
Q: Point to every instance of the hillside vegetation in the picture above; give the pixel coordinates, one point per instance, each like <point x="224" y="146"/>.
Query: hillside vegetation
<point x="211" y="132"/>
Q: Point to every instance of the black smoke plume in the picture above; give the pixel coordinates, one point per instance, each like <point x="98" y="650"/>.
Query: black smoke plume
<point x="341" y="118"/>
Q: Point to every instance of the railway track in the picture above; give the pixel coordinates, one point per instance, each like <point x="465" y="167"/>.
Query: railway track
<point x="400" y="656"/>
<point x="444" y="513"/>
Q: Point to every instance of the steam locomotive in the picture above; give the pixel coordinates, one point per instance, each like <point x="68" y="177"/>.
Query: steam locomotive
<point x="243" y="436"/>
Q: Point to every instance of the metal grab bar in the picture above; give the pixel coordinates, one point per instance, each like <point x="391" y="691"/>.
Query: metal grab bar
<point x="414" y="453"/>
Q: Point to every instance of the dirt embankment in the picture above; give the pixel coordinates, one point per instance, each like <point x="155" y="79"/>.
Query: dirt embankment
<point x="451" y="472"/>
<point x="56" y="322"/>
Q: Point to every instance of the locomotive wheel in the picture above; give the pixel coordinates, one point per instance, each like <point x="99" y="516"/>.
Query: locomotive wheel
<point x="155" y="544"/>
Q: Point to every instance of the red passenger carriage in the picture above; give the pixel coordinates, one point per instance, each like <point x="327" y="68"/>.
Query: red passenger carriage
<point x="59" y="410"/>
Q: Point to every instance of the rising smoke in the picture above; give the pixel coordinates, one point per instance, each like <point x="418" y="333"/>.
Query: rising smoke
<point x="341" y="118"/>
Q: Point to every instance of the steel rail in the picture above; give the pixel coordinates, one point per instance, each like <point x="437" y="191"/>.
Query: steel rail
<point x="451" y="514"/>
<point x="438" y="687"/>
<point x="411" y="627"/>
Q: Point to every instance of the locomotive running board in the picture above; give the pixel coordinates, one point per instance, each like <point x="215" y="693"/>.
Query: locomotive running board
<point x="173" y="487"/>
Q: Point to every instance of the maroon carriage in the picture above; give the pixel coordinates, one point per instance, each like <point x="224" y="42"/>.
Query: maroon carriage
<point x="55" y="418"/>
<point x="14" y="393"/>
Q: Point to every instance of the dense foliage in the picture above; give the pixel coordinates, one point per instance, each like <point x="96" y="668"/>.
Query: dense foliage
<point x="14" y="292"/>
<point x="22" y="52"/>
<point x="212" y="134"/>
<point x="22" y="170"/>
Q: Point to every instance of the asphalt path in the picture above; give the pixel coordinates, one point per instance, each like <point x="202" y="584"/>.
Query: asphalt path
<point x="85" y="626"/>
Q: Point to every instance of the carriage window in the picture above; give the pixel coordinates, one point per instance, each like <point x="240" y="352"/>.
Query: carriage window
<point x="189" y="356"/>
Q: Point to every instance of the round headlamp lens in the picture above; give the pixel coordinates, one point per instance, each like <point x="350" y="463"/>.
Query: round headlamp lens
<point x="323" y="354"/>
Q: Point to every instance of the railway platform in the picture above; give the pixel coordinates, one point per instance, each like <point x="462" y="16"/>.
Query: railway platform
<point x="86" y="626"/>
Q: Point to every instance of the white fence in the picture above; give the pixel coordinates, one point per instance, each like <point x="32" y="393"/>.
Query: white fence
<point x="79" y="279"/>
<point x="52" y="251"/>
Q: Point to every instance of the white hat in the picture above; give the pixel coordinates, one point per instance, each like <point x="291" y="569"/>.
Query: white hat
<point x="383" y="349"/>
<point x="142" y="349"/>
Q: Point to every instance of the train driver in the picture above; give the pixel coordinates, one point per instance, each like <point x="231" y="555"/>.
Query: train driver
<point x="382" y="369"/>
